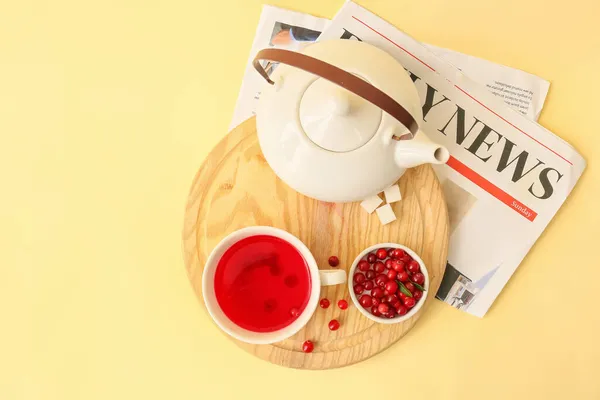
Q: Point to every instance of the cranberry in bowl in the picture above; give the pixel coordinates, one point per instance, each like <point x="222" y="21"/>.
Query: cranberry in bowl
<point x="397" y="292"/>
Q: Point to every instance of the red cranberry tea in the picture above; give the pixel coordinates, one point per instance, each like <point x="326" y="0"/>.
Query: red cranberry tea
<point x="262" y="283"/>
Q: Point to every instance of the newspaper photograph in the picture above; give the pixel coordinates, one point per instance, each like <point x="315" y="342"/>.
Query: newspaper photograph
<point x="506" y="178"/>
<point x="292" y="30"/>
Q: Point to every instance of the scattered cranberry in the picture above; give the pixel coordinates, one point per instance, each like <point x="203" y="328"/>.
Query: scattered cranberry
<point x="308" y="346"/>
<point x="377" y="292"/>
<point x="294" y="312"/>
<point x="380" y="280"/>
<point x="359" y="277"/>
<point x="334" y="261"/>
<point x="391" y="274"/>
<point x="358" y="289"/>
<point x="379" y="267"/>
<point x="334" y="325"/>
<point x="398" y="266"/>
<point x="410" y="287"/>
<point x="364" y="265"/>
<point x="375" y="311"/>
<point x="402" y="276"/>
<point x="370" y="274"/>
<point x="324" y="303"/>
<point x="417" y="294"/>
<point x="369" y="285"/>
<point x="391" y="286"/>
<point x="413" y="267"/>
<point x="383" y="308"/>
<point x="402" y="310"/>
<point x="365" y="301"/>
<point x="375" y="301"/>
<point x="418" y="278"/>
<point x="371" y="258"/>
<point x="409" y="302"/>
<point x="342" y="304"/>
<point x="381" y="254"/>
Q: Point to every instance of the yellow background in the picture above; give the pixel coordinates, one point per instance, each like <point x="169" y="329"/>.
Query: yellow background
<point x="107" y="108"/>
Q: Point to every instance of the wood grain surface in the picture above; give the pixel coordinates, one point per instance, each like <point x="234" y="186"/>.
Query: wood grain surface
<point x="235" y="188"/>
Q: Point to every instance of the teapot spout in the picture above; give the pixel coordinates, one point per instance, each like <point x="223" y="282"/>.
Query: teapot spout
<point x="420" y="150"/>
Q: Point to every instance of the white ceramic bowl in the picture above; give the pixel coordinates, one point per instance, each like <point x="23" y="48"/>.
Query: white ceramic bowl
<point x="367" y="313"/>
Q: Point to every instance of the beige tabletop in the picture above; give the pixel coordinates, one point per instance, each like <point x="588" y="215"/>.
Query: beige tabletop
<point x="107" y="109"/>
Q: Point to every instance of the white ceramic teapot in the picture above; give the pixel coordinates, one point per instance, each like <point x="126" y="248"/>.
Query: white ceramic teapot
<point x="338" y="122"/>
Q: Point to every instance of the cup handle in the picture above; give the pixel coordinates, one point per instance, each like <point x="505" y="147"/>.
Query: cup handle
<point x="332" y="277"/>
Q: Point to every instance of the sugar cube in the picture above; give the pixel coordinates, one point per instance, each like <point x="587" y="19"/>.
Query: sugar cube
<point x="386" y="214"/>
<point x="392" y="194"/>
<point x="371" y="203"/>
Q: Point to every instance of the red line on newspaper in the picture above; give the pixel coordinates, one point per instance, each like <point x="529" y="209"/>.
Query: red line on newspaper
<point x="480" y="103"/>
<point x="491" y="189"/>
<point x="395" y="44"/>
<point x="517" y="128"/>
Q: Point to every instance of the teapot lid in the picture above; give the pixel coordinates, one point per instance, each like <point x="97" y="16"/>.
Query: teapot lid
<point x="336" y="119"/>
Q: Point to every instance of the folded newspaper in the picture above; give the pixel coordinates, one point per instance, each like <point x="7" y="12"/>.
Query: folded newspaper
<point x="507" y="176"/>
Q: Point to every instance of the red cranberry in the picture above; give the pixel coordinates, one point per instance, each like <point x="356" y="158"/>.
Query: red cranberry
<point x="399" y="254"/>
<point x="391" y="286"/>
<point x="402" y="276"/>
<point x="366" y="301"/>
<point x="398" y="266"/>
<point x="396" y="304"/>
<point x="406" y="258"/>
<point x="418" y="278"/>
<point x="390" y="298"/>
<point x="391" y="274"/>
<point x="334" y="325"/>
<point x="402" y="310"/>
<point x="342" y="304"/>
<point x="402" y="296"/>
<point x="390" y="252"/>
<point x="308" y="346"/>
<point x="417" y="294"/>
<point x="359" y="277"/>
<point x="370" y="274"/>
<point x="376" y="301"/>
<point x="383" y="308"/>
<point x="364" y="265"/>
<point x="385" y="292"/>
<point x="381" y="254"/>
<point x="375" y="311"/>
<point x="358" y="289"/>
<point x="413" y="267"/>
<point x="389" y="263"/>
<point x="380" y="280"/>
<point x="294" y="312"/>
<point x="410" y="287"/>
<point x="324" y="303"/>
<point x="377" y="292"/>
<point x="334" y="261"/>
<point x="409" y="302"/>
<point x="391" y="313"/>
<point x="371" y="258"/>
<point x="368" y="285"/>
<point x="379" y="267"/>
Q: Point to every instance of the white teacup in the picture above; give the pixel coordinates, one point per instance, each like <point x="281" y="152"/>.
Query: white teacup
<point x="318" y="279"/>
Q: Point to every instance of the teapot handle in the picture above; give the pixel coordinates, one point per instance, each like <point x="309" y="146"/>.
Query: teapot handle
<point x="340" y="77"/>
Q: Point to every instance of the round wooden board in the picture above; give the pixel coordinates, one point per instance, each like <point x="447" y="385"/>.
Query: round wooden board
<point x="235" y="188"/>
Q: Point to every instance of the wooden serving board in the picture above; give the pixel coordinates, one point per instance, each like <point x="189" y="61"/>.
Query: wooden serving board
<point x="235" y="188"/>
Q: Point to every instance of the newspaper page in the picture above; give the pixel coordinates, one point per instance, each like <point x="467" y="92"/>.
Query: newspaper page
<point x="293" y="30"/>
<point x="506" y="178"/>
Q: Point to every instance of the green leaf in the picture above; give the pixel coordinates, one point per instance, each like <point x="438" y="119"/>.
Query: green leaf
<point x="403" y="289"/>
<point x="421" y="288"/>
